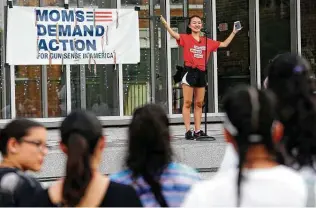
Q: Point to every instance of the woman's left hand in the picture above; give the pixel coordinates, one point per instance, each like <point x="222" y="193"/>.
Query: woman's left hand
<point x="235" y="30"/>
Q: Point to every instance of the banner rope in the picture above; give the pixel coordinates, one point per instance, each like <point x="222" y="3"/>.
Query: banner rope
<point x="107" y="35"/>
<point x="102" y="43"/>
<point x="114" y="60"/>
<point x="117" y="19"/>
<point x="57" y="33"/>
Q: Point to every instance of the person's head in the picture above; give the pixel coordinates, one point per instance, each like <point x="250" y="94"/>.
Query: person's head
<point x="23" y="144"/>
<point x="149" y="148"/>
<point x="292" y="81"/>
<point x="195" y="24"/>
<point x="83" y="143"/>
<point x="250" y="125"/>
<point x="289" y="74"/>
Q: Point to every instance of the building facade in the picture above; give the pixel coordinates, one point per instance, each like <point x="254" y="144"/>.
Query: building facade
<point x="47" y="93"/>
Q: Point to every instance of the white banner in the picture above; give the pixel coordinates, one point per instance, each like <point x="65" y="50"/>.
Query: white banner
<point x="44" y="36"/>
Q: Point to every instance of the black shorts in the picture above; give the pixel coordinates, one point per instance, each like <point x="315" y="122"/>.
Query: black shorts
<point x="194" y="77"/>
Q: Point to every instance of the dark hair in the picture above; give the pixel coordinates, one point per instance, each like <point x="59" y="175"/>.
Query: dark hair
<point x="80" y="132"/>
<point x="149" y="148"/>
<point x="291" y="79"/>
<point x="251" y="113"/>
<point x="189" y="31"/>
<point x="17" y="129"/>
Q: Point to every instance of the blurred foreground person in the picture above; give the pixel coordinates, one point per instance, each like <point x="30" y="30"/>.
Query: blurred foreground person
<point x="23" y="148"/>
<point x="84" y="186"/>
<point x="259" y="180"/>
<point x="291" y="79"/>
<point x="293" y="82"/>
<point x="150" y="168"/>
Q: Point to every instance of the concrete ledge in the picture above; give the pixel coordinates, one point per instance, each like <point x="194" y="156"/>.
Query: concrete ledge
<point x="199" y="155"/>
<point x="114" y="121"/>
<point x="205" y="156"/>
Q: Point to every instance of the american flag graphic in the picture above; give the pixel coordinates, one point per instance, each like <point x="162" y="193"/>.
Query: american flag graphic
<point x="105" y="16"/>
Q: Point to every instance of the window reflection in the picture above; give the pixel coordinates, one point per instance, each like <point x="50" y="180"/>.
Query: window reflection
<point x="102" y="90"/>
<point x="233" y="61"/>
<point x="28" y="83"/>
<point x="95" y="90"/>
<point x="274" y="17"/>
<point x="28" y="91"/>
<point x="136" y="80"/>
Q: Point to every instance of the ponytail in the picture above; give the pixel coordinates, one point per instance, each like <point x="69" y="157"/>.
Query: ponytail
<point x="300" y="143"/>
<point x="156" y="189"/>
<point x="242" y="151"/>
<point x="78" y="170"/>
<point x="250" y="125"/>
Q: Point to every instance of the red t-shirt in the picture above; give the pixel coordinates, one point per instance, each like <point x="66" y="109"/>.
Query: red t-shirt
<point x="194" y="51"/>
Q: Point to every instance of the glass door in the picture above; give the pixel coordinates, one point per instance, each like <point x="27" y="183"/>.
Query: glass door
<point x="274" y="16"/>
<point x="308" y="30"/>
<point x="233" y="62"/>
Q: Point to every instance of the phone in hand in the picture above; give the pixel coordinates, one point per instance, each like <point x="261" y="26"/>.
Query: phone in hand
<point x="237" y="25"/>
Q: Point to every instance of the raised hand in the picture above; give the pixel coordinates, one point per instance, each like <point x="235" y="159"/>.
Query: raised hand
<point x="163" y="20"/>
<point x="170" y="31"/>
<point x="235" y="29"/>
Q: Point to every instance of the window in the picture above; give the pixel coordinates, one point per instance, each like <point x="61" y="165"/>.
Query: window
<point x="308" y="31"/>
<point x="233" y="61"/>
<point x="95" y="87"/>
<point x="274" y="16"/>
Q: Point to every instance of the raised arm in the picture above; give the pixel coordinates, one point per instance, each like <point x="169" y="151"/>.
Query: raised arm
<point x="229" y="39"/>
<point x="170" y="31"/>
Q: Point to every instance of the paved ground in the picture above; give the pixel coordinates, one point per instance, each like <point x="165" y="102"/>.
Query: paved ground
<point x="205" y="156"/>
<point x="117" y="136"/>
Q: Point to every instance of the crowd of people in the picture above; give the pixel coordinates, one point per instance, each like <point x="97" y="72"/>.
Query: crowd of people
<point x="269" y="159"/>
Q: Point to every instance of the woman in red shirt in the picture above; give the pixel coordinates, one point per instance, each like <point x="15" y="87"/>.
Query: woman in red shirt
<point x="194" y="79"/>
